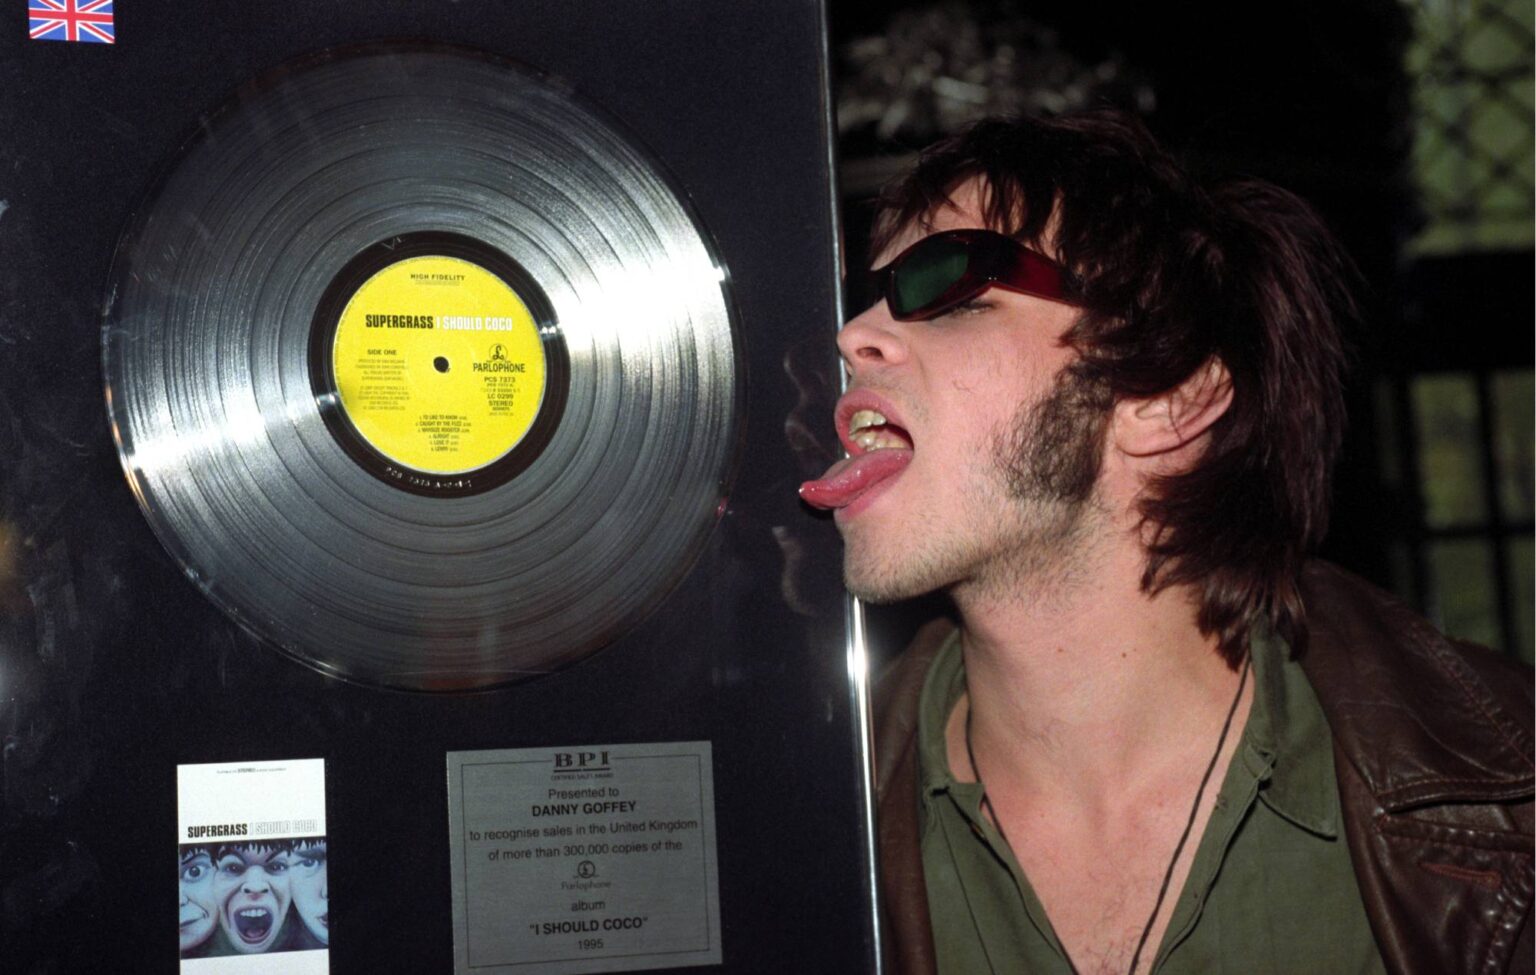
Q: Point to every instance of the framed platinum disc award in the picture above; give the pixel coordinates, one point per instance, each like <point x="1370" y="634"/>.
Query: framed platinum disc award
<point x="398" y="503"/>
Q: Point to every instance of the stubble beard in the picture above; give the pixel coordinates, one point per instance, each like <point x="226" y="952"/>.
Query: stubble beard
<point x="1024" y="524"/>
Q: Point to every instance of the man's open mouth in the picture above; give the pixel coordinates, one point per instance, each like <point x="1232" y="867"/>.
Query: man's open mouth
<point x="253" y="924"/>
<point x="878" y="450"/>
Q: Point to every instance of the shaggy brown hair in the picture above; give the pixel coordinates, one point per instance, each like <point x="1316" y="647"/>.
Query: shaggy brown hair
<point x="1170" y="274"/>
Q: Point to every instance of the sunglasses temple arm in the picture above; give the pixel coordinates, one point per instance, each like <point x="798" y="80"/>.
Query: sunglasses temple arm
<point x="1038" y="275"/>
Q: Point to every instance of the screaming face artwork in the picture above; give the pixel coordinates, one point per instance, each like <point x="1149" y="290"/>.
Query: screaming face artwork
<point x="251" y="884"/>
<point x="253" y="898"/>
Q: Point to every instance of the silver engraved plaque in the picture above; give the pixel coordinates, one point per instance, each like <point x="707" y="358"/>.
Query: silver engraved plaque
<point x="589" y="858"/>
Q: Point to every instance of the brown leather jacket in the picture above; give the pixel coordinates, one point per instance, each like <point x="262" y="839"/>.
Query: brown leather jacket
<point x="1433" y="747"/>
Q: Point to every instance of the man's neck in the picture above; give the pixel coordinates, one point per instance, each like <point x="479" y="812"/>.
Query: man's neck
<point x="1096" y="713"/>
<point x="1085" y="687"/>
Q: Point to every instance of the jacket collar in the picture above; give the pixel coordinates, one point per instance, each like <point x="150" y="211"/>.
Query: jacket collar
<point x="1376" y="665"/>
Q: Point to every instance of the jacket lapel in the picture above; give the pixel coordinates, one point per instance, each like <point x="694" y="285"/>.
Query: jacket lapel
<point x="1435" y="778"/>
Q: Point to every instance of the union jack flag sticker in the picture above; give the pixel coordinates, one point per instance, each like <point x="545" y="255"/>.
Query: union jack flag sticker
<point x="89" y="21"/>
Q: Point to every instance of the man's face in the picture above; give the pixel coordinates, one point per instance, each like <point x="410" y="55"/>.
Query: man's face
<point x="1002" y="453"/>
<point x="199" y="909"/>
<point x="311" y="897"/>
<point x="251" y="884"/>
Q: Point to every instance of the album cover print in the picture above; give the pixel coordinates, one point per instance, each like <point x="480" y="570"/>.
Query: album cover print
<point x="252" y="868"/>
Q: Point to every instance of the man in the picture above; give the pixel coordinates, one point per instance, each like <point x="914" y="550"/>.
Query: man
<point x="1098" y="406"/>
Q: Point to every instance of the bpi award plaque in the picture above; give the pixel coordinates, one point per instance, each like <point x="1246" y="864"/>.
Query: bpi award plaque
<point x="593" y="858"/>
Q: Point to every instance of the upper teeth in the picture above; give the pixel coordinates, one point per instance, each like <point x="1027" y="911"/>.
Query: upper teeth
<point x="862" y="430"/>
<point x="865" y="418"/>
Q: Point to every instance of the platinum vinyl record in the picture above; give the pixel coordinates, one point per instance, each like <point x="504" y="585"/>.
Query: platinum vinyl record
<point x="421" y="370"/>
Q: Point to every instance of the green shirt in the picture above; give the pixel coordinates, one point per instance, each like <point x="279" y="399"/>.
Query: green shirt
<point x="1271" y="888"/>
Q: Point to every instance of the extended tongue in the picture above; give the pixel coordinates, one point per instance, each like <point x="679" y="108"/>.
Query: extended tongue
<point x="846" y="480"/>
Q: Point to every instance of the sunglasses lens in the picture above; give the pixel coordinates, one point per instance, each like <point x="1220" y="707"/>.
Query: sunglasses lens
<point x="927" y="273"/>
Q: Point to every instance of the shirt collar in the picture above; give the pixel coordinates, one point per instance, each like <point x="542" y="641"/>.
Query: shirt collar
<point x="941" y="690"/>
<point x="1287" y="742"/>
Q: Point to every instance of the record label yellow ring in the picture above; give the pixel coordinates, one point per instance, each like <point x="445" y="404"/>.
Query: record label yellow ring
<point x="438" y="364"/>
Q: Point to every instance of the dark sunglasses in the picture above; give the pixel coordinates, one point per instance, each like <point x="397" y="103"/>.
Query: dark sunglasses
<point x="947" y="269"/>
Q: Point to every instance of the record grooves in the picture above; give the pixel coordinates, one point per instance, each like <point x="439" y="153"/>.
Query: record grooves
<point x="421" y="370"/>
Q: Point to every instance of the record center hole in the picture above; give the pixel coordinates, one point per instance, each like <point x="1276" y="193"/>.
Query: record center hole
<point x="440" y="363"/>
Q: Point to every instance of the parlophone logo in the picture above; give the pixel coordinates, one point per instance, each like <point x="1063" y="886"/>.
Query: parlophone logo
<point x="586" y="870"/>
<point x="499" y="362"/>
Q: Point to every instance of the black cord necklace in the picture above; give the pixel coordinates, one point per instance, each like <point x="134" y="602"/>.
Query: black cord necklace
<point x="1189" y="825"/>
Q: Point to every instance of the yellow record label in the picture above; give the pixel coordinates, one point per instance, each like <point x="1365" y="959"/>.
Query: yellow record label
<point x="439" y="365"/>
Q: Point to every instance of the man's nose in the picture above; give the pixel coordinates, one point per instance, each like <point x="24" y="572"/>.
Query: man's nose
<point x="255" y="882"/>
<point x="872" y="339"/>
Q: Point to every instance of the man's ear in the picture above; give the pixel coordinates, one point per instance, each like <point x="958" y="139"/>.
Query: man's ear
<point x="1170" y="420"/>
